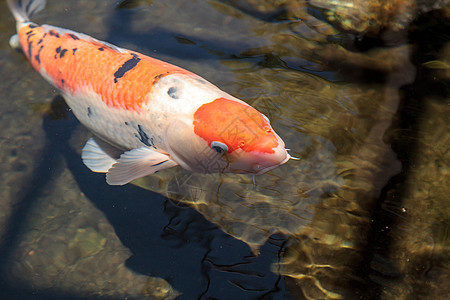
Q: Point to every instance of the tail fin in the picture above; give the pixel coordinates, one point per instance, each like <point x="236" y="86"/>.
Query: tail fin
<point x="23" y="10"/>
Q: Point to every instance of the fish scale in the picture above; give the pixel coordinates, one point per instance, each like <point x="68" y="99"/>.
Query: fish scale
<point x="94" y="64"/>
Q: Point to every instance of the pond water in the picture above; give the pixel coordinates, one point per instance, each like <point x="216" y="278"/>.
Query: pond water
<point x="361" y="96"/>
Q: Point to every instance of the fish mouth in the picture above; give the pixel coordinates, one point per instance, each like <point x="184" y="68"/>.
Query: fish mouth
<point x="261" y="169"/>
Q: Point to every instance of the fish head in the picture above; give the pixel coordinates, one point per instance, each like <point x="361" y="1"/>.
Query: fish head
<point x="226" y="135"/>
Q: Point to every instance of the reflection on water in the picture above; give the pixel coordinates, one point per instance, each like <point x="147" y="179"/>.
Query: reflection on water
<point x="363" y="214"/>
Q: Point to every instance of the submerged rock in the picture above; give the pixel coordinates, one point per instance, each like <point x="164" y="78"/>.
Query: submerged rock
<point x="87" y="242"/>
<point x="376" y="15"/>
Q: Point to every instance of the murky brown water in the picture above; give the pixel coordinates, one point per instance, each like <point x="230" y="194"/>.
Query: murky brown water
<point x="364" y="214"/>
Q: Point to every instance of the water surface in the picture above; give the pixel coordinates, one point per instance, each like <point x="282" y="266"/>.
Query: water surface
<point x="364" y="213"/>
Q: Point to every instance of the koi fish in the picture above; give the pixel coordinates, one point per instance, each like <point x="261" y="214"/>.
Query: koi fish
<point x="146" y="115"/>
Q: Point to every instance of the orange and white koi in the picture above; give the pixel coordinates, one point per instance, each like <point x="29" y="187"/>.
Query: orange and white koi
<point x="146" y="115"/>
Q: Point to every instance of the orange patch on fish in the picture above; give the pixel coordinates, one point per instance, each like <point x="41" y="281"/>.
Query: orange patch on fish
<point x="121" y="79"/>
<point x="248" y="130"/>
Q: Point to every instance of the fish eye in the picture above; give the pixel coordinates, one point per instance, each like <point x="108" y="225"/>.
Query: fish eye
<point x="219" y="147"/>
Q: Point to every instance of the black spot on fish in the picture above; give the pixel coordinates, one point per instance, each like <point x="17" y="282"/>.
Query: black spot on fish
<point x="101" y="49"/>
<point x="29" y="32"/>
<point x="172" y="92"/>
<point x="74" y="50"/>
<point x="126" y="123"/>
<point x="127" y="66"/>
<point x="63" y="51"/>
<point x="40" y="41"/>
<point x="38" y="59"/>
<point x="143" y="137"/>
<point x="62" y="82"/>
<point x="158" y="77"/>
<point x="30" y="46"/>
<point x="89" y="112"/>
<point x="29" y="37"/>
<point x="73" y="36"/>
<point x="32" y="26"/>
<point x="160" y="163"/>
<point x="58" y="50"/>
<point x="53" y="33"/>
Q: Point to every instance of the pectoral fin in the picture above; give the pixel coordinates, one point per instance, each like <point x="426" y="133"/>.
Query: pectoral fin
<point x="99" y="156"/>
<point x="137" y="163"/>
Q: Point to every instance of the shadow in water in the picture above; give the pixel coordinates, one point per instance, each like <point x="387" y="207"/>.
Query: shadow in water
<point x="49" y="167"/>
<point x="167" y="239"/>
<point x="159" y="40"/>
<point x="428" y="40"/>
<point x="173" y="241"/>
